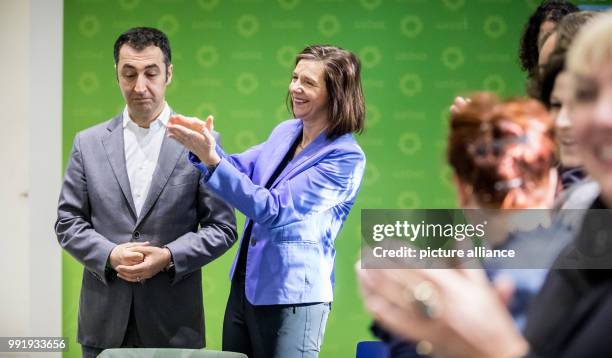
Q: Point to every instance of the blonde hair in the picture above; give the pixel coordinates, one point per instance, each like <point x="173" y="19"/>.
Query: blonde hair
<point x="592" y="46"/>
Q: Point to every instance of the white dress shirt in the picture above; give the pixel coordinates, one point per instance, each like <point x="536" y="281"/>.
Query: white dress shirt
<point x="142" y="147"/>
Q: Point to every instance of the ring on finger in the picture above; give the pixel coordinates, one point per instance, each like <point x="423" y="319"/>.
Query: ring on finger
<point x="425" y="298"/>
<point x="424" y="348"/>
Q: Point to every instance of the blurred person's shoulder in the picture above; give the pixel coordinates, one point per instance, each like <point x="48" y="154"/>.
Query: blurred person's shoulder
<point x="580" y="195"/>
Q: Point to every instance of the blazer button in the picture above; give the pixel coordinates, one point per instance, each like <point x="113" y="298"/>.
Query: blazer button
<point x="253" y="242"/>
<point x="136" y="235"/>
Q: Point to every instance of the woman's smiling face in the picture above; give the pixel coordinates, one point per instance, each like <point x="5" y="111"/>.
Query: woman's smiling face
<point x="591" y="113"/>
<point x="308" y="91"/>
<point x="564" y="135"/>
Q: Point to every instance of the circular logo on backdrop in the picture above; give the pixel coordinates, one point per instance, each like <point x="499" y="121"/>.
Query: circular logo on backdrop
<point x="494" y="83"/>
<point x="169" y="24"/>
<point x="410" y="84"/>
<point x="409" y="143"/>
<point x="89" y="25"/>
<point x="288" y="4"/>
<point x="88" y="82"/>
<point x="408" y="200"/>
<point x="286" y="56"/>
<point x="205" y="109"/>
<point x="411" y="26"/>
<point x="128" y="4"/>
<point x="494" y="27"/>
<point x="452" y="58"/>
<point x="533" y="4"/>
<point x="371" y="175"/>
<point x="370" y="56"/>
<point x="173" y="86"/>
<point x="370" y="4"/>
<point x="246" y="83"/>
<point x="282" y="113"/>
<point x="453" y="4"/>
<point x="208" y="4"/>
<point x="209" y="286"/>
<point x="372" y="116"/>
<point x="446" y="177"/>
<point x="328" y="25"/>
<point x="207" y="56"/>
<point x="247" y="25"/>
<point x="245" y="139"/>
<point x="445" y="115"/>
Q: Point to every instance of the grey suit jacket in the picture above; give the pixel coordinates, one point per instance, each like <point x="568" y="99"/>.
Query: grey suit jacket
<point x="96" y="212"/>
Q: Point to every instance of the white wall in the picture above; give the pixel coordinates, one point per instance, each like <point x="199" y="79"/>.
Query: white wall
<point x="30" y="158"/>
<point x="14" y="155"/>
<point x="45" y="161"/>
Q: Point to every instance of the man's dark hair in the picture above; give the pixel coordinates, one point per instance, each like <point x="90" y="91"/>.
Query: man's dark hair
<point x="549" y="10"/>
<point x="141" y="37"/>
<point x="566" y="31"/>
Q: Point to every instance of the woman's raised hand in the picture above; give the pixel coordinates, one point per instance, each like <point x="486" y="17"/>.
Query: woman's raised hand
<point x="195" y="135"/>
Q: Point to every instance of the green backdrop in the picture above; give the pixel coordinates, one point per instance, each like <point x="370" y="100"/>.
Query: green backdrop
<point x="233" y="59"/>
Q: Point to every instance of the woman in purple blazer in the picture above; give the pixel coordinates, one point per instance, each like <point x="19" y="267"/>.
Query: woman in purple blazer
<point x="296" y="190"/>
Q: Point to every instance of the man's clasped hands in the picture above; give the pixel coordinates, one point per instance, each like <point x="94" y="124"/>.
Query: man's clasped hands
<point x="138" y="261"/>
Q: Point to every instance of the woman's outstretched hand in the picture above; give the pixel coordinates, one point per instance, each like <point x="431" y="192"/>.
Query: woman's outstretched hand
<point x="195" y="135"/>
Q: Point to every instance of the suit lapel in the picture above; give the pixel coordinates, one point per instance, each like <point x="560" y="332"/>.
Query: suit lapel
<point x="169" y="155"/>
<point x="113" y="145"/>
<point x="308" y="152"/>
<point x="280" y="148"/>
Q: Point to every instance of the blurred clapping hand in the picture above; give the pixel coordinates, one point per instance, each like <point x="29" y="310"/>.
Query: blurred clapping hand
<point x="449" y="312"/>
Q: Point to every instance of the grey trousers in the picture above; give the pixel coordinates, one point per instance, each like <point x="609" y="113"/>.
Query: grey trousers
<point x="90" y="352"/>
<point x="130" y="340"/>
<point x="272" y="331"/>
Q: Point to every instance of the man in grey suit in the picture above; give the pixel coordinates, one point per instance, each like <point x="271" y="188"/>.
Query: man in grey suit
<point x="134" y="212"/>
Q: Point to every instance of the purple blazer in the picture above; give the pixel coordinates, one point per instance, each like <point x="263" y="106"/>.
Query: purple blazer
<point x="295" y="222"/>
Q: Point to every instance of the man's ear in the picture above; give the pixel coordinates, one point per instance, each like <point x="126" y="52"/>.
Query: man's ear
<point x="116" y="73"/>
<point x="169" y="70"/>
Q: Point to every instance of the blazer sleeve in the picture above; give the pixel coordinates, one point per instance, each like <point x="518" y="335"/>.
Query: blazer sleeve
<point x="216" y="234"/>
<point x="73" y="227"/>
<point x="333" y="180"/>
<point x="245" y="161"/>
